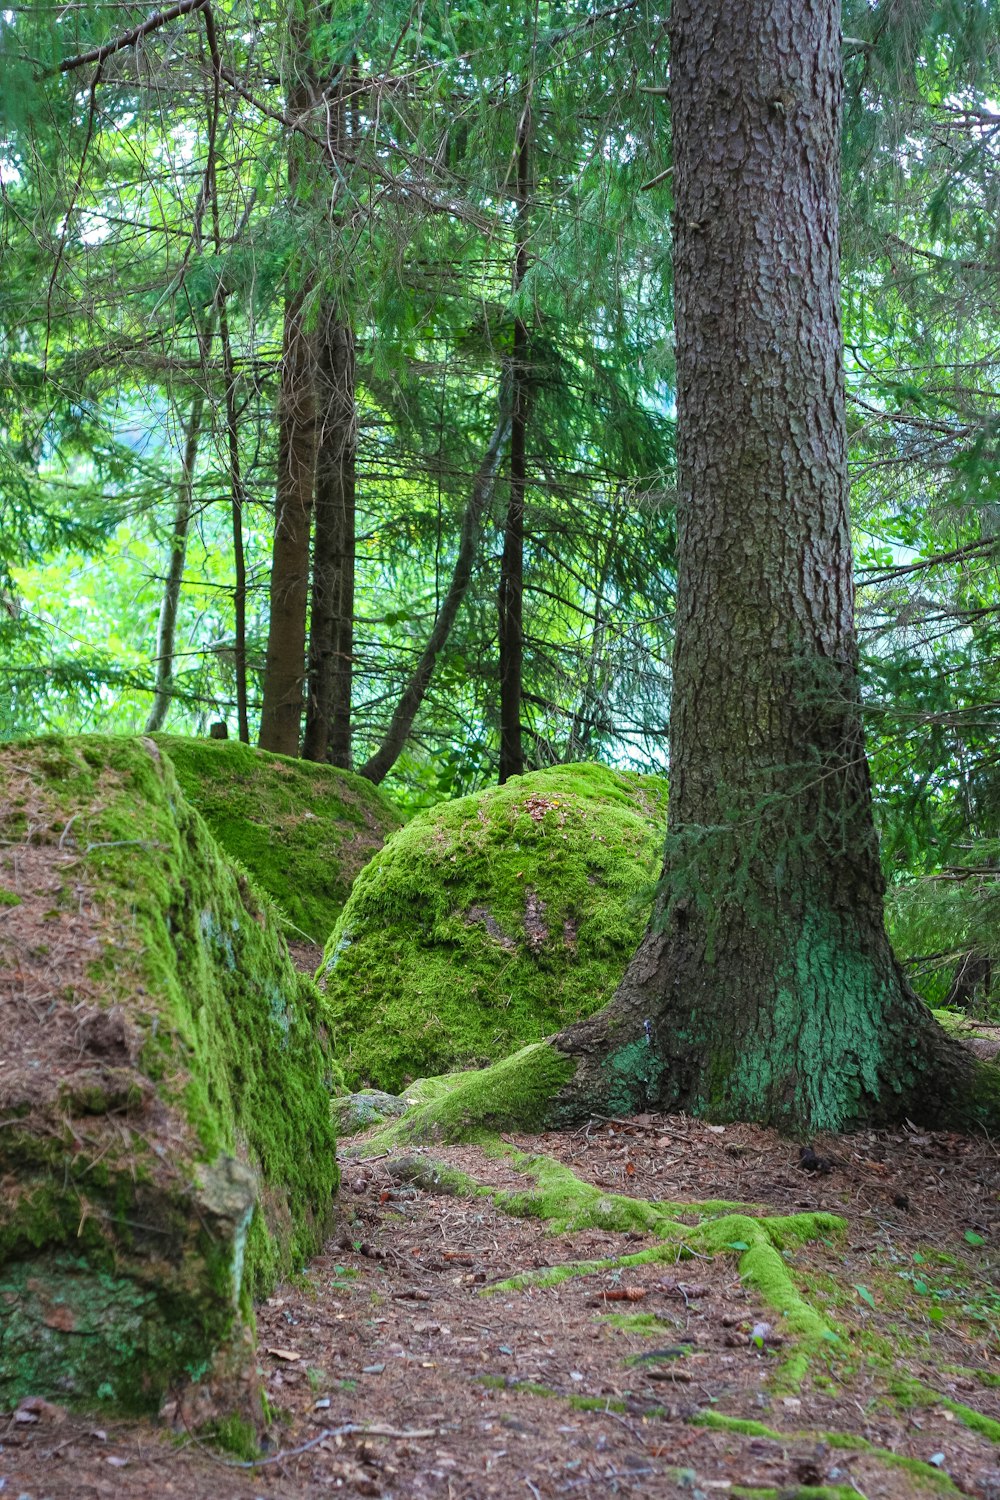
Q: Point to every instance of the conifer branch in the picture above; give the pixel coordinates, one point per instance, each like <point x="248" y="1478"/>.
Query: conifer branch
<point x="129" y="38"/>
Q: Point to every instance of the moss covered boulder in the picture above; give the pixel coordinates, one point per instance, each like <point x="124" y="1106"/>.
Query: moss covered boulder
<point x="166" y="1150"/>
<point x="493" y="920"/>
<point x="302" y="830"/>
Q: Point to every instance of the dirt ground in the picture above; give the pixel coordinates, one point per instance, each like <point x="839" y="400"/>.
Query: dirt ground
<point x="393" y="1370"/>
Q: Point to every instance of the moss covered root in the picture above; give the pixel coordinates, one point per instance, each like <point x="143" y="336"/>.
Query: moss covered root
<point x="761" y="1244"/>
<point x="922" y="1474"/>
<point x="913" y="1393"/>
<point x="567" y="1204"/>
<point x="514" y="1094"/>
<point x="302" y="830"/>
<point x="173" y="1154"/>
<point x="492" y="921"/>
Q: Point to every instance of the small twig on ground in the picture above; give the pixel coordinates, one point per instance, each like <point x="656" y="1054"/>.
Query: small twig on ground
<point x="122" y="844"/>
<point x="350" y="1429"/>
<point x="65" y="833"/>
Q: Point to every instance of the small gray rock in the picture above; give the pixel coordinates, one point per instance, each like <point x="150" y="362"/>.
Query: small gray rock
<point x="355" y="1112"/>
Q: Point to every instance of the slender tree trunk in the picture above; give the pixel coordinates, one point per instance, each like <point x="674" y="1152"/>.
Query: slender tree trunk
<point x="331" y="631"/>
<point x="284" y="671"/>
<point x="236" y="507"/>
<point x="281" y="708"/>
<point x="578" y="741"/>
<point x="511" y="594"/>
<point x="378" y="766"/>
<point x="167" y="627"/>
<point x="331" y="619"/>
<point x="765" y="988"/>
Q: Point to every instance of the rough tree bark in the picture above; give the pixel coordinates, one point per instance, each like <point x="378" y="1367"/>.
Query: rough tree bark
<point x="378" y="766"/>
<point x="281" y="707"/>
<point x="331" y="620"/>
<point x="510" y="599"/>
<point x="331" y="616"/>
<point x="284" y="670"/>
<point x="765" y="988"/>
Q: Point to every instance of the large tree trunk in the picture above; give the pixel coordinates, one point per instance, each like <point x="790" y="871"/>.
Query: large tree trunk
<point x="378" y="766"/>
<point x="331" y="624"/>
<point x="766" y="988"/>
<point x="170" y="605"/>
<point x="511" y="593"/>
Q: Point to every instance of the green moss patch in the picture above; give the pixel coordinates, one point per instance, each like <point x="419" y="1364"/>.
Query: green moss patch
<point x="514" y="1094"/>
<point x="493" y="921"/>
<point x="166" y="1148"/>
<point x="912" y="1393"/>
<point x="302" y="830"/>
<point x="923" y="1473"/>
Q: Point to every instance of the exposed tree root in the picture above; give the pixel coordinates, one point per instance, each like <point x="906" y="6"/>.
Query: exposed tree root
<point x="909" y="1392"/>
<point x="567" y="1204"/>
<point x="920" y="1472"/>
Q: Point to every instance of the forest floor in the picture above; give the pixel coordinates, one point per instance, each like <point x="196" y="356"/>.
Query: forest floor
<point x="395" y="1369"/>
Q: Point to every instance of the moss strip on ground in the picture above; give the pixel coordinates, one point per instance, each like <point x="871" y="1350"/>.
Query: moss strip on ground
<point x="910" y="1392"/>
<point x="915" y="1467"/>
<point x="798" y="1492"/>
<point x="567" y="1203"/>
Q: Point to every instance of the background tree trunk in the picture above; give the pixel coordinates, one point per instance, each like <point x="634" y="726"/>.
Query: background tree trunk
<point x="378" y="766"/>
<point x="331" y="616"/>
<point x="284" y="670"/>
<point x="766" y="988"/>
<point x="331" y="625"/>
<point x="511" y="593"/>
<point x="167" y="626"/>
<point x="237" y="498"/>
<point x="281" y="708"/>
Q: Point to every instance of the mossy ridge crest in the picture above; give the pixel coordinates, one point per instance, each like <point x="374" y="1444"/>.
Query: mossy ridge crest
<point x="302" y="830"/>
<point x="206" y="1046"/>
<point x="492" y="921"/>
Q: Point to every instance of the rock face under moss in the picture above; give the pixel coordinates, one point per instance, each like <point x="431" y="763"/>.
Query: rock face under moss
<point x="166" y="1149"/>
<point x="302" y="830"/>
<point x="492" y="921"/>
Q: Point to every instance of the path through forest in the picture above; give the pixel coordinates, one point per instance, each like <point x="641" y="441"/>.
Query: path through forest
<point x="615" y="1382"/>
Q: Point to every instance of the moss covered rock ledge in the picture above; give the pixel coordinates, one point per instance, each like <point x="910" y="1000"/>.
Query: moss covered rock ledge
<point x="302" y="830"/>
<point x="493" y="920"/>
<point x="166" y="1150"/>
